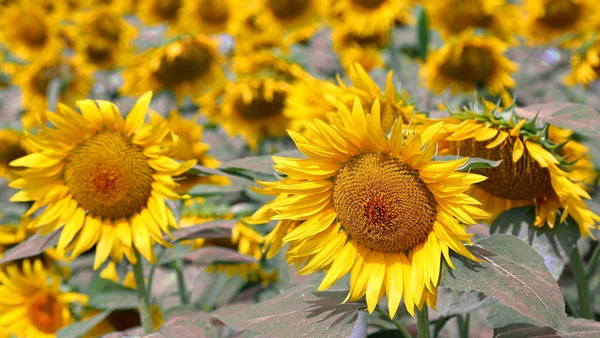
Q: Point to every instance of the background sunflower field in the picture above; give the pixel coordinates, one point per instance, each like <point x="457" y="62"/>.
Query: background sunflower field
<point x="299" y="168"/>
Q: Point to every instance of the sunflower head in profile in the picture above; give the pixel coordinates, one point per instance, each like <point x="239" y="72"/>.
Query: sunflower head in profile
<point x="75" y="77"/>
<point x="102" y="179"/>
<point x="14" y="145"/>
<point x="155" y="12"/>
<point x="368" y="17"/>
<point x="469" y="62"/>
<point x="585" y="65"/>
<point x="380" y="209"/>
<point x="362" y="49"/>
<point x="452" y="17"/>
<point x="208" y="16"/>
<point x="547" y="20"/>
<point x="535" y="170"/>
<point x="32" y="302"/>
<point x="28" y="31"/>
<point x="187" y="66"/>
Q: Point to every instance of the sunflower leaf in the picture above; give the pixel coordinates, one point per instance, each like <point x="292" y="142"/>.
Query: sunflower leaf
<point x="512" y="273"/>
<point x="79" y="329"/>
<point x="32" y="246"/>
<point x="256" y="167"/>
<point x="211" y="229"/>
<point x="472" y="163"/>
<point x="573" y="116"/>
<point x="108" y="295"/>
<point x="574" y="328"/>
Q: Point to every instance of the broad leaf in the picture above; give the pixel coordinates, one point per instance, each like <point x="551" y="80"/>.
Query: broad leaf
<point x="467" y="302"/>
<point x="577" y="117"/>
<point x="214" y="254"/>
<point x="192" y="324"/>
<point x="204" y="190"/>
<point x="555" y="245"/>
<point x="514" y="274"/>
<point x="32" y="246"/>
<point x="108" y="295"/>
<point x="575" y="328"/>
<point x="257" y="167"/>
<point x="211" y="229"/>
<point x="79" y="329"/>
<point x="299" y="312"/>
<point x="472" y="163"/>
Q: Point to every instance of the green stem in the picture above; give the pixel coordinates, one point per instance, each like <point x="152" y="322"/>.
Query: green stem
<point x="183" y="295"/>
<point x="583" y="291"/>
<point x="593" y="261"/>
<point x="423" y="322"/>
<point x="463" y="325"/>
<point x="399" y="326"/>
<point x="140" y="288"/>
<point x="572" y="309"/>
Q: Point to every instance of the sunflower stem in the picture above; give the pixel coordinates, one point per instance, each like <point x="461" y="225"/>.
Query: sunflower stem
<point x="144" y="299"/>
<point x="423" y="322"/>
<point x="583" y="291"/>
<point x="399" y="326"/>
<point x="463" y="325"/>
<point x="183" y="295"/>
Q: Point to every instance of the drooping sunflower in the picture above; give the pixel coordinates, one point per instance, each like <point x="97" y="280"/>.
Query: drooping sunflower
<point x="76" y="80"/>
<point x="368" y="17"/>
<point x="102" y="179"/>
<point x="32" y="302"/>
<point x="190" y="147"/>
<point x="547" y="20"/>
<point x="208" y="16"/>
<point x="585" y="65"/>
<point x="532" y="171"/>
<point x="28" y="32"/>
<point x="187" y="66"/>
<point x="362" y="49"/>
<point x="377" y="208"/>
<point x="451" y="17"/>
<point x="154" y="12"/>
<point x="467" y="62"/>
<point x="13" y="145"/>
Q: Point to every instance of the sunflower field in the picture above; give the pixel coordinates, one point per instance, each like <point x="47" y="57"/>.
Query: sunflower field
<point x="299" y="168"/>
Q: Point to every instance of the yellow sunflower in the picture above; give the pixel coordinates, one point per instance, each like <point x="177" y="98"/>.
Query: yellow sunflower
<point x="208" y="16"/>
<point x="582" y="171"/>
<point x="187" y="66"/>
<point x="451" y="17"/>
<point x="11" y="233"/>
<point x="362" y="49"/>
<point x="468" y="62"/>
<point x="546" y="20"/>
<point x="368" y="17"/>
<point x="32" y="303"/>
<point x="289" y="15"/>
<point x="28" y="32"/>
<point x="531" y="171"/>
<point x="377" y="208"/>
<point x="13" y="145"/>
<point x="190" y="147"/>
<point x="585" y="65"/>
<point x="249" y="33"/>
<point x="154" y="12"/>
<point x="103" y="178"/>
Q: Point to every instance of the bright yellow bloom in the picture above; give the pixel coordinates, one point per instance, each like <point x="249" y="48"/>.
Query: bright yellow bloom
<point x="187" y="66"/>
<point x="466" y="63"/>
<point x="102" y="179"/>
<point x="13" y="145"/>
<point x="364" y="50"/>
<point x="368" y="17"/>
<point x="31" y="301"/>
<point x="288" y="15"/>
<point x="154" y="12"/>
<point x="208" y="16"/>
<point x="585" y="65"/>
<point x="377" y="208"/>
<point x="530" y="172"/>
<point x="251" y="35"/>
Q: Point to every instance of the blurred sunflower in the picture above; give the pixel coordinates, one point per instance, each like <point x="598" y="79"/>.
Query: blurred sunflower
<point x="249" y="33"/>
<point x="362" y="49"/>
<point x="585" y="65"/>
<point x="28" y="32"/>
<point x="377" y="208"/>
<point x="53" y="8"/>
<point x="467" y="62"/>
<point x="13" y="145"/>
<point x="531" y="171"/>
<point x="582" y="171"/>
<point x="546" y="20"/>
<point x="207" y="16"/>
<point x="451" y="17"/>
<point x="32" y="302"/>
<point x="103" y="178"/>
<point x="289" y="15"/>
<point x="187" y="66"/>
<point x="368" y="17"/>
<point x="190" y="147"/>
<point x="11" y="233"/>
<point x="76" y="80"/>
<point x="154" y="12"/>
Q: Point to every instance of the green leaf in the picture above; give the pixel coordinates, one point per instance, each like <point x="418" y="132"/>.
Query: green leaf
<point x="385" y="334"/>
<point x="187" y="324"/>
<point x="575" y="328"/>
<point x="108" y="295"/>
<point x="299" y="312"/>
<point x="211" y="229"/>
<point x="472" y="162"/>
<point x="580" y="118"/>
<point x="554" y="245"/>
<point x="501" y="316"/>
<point x="257" y="167"/>
<point x="32" y="246"/>
<point x="423" y="34"/>
<point x="79" y="329"/>
<point x="512" y="273"/>
<point x="204" y="190"/>
<point x="174" y="253"/>
<point x="467" y="302"/>
<point x="214" y="254"/>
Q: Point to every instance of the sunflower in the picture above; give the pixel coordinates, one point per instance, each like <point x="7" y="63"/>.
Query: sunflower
<point x="368" y="17"/>
<point x="187" y="66"/>
<point x="11" y="233"/>
<point x="531" y="172"/>
<point x="546" y="20"/>
<point x="585" y="65"/>
<point x="364" y="50"/>
<point x="378" y="208"/>
<point x="103" y="178"/>
<point x="468" y="62"/>
<point x="249" y="33"/>
<point x="76" y="80"/>
<point x="289" y="15"/>
<point x="451" y="17"/>
<point x="32" y="302"/>
<point x="582" y="171"/>
<point x="190" y="147"/>
<point x="14" y="145"/>
<point x="28" y="32"/>
<point x="207" y="16"/>
<point x="154" y="12"/>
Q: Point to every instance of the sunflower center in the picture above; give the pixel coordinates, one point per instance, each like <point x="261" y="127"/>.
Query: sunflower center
<point x="214" y="11"/>
<point x="167" y="9"/>
<point x="108" y="27"/>
<point x="191" y="65"/>
<point x="286" y="9"/>
<point x="475" y="65"/>
<point x="109" y="176"/>
<point x="42" y="79"/>
<point x="45" y="312"/>
<point x="467" y="13"/>
<point x="523" y="180"/>
<point x="561" y="13"/>
<point x="368" y="3"/>
<point x="32" y="30"/>
<point x="99" y="55"/>
<point x="383" y="203"/>
<point x="11" y="153"/>
<point x="260" y="107"/>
